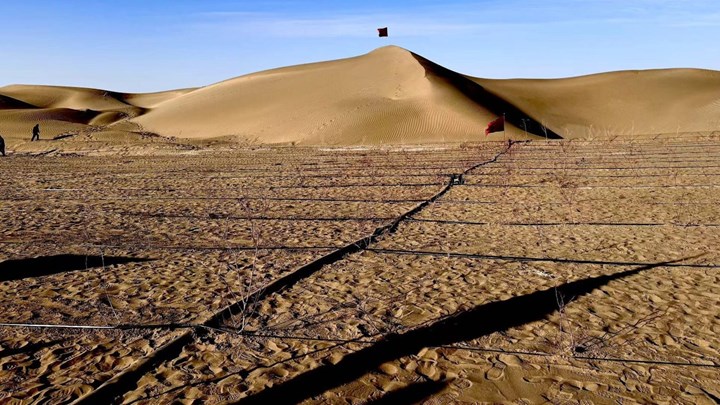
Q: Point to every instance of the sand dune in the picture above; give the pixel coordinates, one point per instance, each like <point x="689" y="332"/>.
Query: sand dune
<point x="70" y="110"/>
<point x="388" y="96"/>
<point x="12" y="103"/>
<point x="79" y="98"/>
<point x="619" y="103"/>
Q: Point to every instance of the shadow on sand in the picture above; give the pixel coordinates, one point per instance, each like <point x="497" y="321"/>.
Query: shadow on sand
<point x="30" y="348"/>
<point x="465" y="326"/>
<point x="19" y="269"/>
<point x="412" y="394"/>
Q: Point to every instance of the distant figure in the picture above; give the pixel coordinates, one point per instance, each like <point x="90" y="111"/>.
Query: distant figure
<point x="2" y="146"/>
<point x="36" y="133"/>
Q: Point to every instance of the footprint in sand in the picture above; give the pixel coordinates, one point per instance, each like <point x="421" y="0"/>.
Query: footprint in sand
<point x="495" y="373"/>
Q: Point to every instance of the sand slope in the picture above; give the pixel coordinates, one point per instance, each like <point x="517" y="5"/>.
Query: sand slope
<point x="69" y="110"/>
<point x="619" y="103"/>
<point x="388" y="96"/>
<point x="79" y="98"/>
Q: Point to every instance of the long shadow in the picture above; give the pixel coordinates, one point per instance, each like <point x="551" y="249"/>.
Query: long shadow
<point x="412" y="394"/>
<point x="480" y="321"/>
<point x="29" y="348"/>
<point x="496" y="104"/>
<point x="242" y="373"/>
<point x="19" y="269"/>
<point x="673" y="263"/>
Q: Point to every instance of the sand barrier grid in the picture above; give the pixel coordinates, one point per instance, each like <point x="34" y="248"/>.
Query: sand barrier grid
<point x="113" y="388"/>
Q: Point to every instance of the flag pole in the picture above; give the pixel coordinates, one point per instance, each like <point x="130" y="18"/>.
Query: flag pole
<point x="504" y="122"/>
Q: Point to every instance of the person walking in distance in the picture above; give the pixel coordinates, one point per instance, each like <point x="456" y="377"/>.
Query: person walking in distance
<point x="36" y="133"/>
<point x="2" y="146"/>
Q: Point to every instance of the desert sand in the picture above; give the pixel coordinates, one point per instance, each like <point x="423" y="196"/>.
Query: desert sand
<point x="388" y="96"/>
<point x="339" y="233"/>
<point x="470" y="298"/>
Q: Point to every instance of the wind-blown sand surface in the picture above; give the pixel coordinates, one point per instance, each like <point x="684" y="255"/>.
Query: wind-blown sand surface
<point x="626" y="104"/>
<point x="122" y="244"/>
<point x="554" y="271"/>
<point x="388" y="96"/>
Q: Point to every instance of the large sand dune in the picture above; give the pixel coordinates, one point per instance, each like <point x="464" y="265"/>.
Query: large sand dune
<point x="388" y="96"/>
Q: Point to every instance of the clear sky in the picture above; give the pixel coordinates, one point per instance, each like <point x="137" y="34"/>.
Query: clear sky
<point x="152" y="45"/>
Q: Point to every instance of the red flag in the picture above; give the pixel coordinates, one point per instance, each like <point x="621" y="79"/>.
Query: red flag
<point x="382" y="32"/>
<point x="495" y="126"/>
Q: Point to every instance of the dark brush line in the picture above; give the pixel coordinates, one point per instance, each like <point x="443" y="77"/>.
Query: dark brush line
<point x="583" y="186"/>
<point x="649" y="150"/>
<point x="635" y="202"/>
<point x="588" y="163"/>
<point x="623" y="151"/>
<point x="173" y="326"/>
<point x="589" y="158"/>
<point x="553" y="184"/>
<point x="617" y="167"/>
<point x="213" y="175"/>
<point x="589" y="358"/>
<point x="168" y="247"/>
<point x="321" y="171"/>
<point x="219" y="217"/>
<point x="453" y="222"/>
<point x="273" y="171"/>
<point x="531" y="259"/>
<point x="84" y="200"/>
<point x="646" y="361"/>
<point x="601" y="176"/>
<point x="477" y="349"/>
<point x="266" y="187"/>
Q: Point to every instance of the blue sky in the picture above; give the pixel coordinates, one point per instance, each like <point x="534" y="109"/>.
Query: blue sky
<point x="146" y="45"/>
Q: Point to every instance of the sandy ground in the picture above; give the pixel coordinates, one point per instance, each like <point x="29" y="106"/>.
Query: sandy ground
<point x="562" y="271"/>
<point x="481" y="310"/>
<point x="120" y="244"/>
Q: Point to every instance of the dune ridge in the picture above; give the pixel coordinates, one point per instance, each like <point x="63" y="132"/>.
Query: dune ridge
<point x="633" y="102"/>
<point x="388" y="96"/>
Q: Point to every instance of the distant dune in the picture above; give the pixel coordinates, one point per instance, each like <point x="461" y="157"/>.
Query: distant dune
<point x="388" y="96"/>
<point x="619" y="103"/>
<point x="71" y="110"/>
